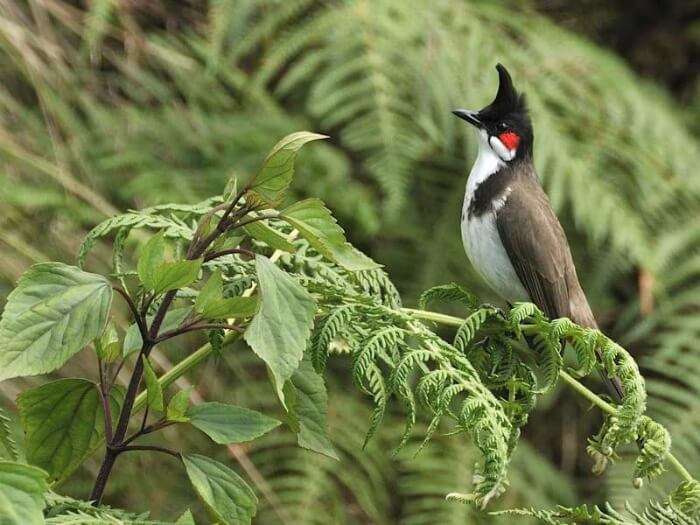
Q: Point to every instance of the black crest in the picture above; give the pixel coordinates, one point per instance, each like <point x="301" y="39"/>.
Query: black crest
<point x="507" y="102"/>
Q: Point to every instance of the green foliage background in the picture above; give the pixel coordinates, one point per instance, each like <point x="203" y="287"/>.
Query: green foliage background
<point x="117" y="105"/>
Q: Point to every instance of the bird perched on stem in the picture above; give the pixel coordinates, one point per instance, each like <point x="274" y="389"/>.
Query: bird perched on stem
<point x="509" y="229"/>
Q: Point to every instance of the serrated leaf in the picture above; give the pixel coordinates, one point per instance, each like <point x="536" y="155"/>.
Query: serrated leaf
<point x="318" y="226"/>
<point x="262" y="232"/>
<point x="226" y="495"/>
<point x="212" y="290"/>
<point x="154" y="392"/>
<point x="308" y="410"/>
<point x="107" y="346"/>
<point x="63" y="421"/>
<point x="277" y="170"/>
<point x="132" y="337"/>
<point x="22" y="489"/>
<point x="151" y="258"/>
<point x="173" y="275"/>
<point x="8" y="447"/>
<point x="226" y="308"/>
<point x="212" y="305"/>
<point x="279" y="331"/>
<point x="143" y="219"/>
<point x="227" y="424"/>
<point x="177" y="408"/>
<point x="160" y="276"/>
<point x="53" y="313"/>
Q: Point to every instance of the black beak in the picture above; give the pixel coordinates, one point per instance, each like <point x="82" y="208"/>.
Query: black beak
<point x="469" y="116"/>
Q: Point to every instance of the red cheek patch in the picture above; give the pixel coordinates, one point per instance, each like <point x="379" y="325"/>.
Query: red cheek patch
<point x="510" y="139"/>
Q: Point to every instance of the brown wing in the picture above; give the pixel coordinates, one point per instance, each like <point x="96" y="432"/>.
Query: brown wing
<point x="537" y="247"/>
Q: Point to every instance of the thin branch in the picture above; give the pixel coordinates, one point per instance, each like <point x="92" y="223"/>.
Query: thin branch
<point x="119" y="369"/>
<point x="251" y="220"/>
<point x="146" y="303"/>
<point x="199" y="246"/>
<point x="191" y="328"/>
<point x="135" y="401"/>
<point x="106" y="407"/>
<point x="138" y="317"/>
<point x="148" y="430"/>
<point x="230" y="251"/>
<point x="234" y="202"/>
<point x="160" y="315"/>
<point x="144" y="420"/>
<point x="153" y="448"/>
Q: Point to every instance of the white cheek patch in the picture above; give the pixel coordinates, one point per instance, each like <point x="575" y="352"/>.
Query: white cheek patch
<point x="500" y="149"/>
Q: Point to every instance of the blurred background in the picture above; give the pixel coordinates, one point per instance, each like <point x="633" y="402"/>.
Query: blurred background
<point x="107" y="105"/>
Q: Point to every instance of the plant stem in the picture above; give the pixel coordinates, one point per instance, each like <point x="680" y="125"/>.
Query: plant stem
<point x="231" y="251"/>
<point x="154" y="448"/>
<point x="203" y="352"/>
<point x="138" y="318"/>
<point x="150" y="338"/>
<point x="191" y="361"/>
<point x="574" y="384"/>
<point x="195" y="327"/>
<point x="104" y="396"/>
<point x="103" y="476"/>
<point x="583" y="391"/>
<point x="434" y="316"/>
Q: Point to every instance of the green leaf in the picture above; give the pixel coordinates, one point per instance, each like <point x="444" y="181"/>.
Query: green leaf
<point x="277" y="170"/>
<point x="160" y="276"/>
<point x="226" y="495"/>
<point x="316" y="224"/>
<point x="227" y="424"/>
<point x="177" y="408"/>
<point x="22" y="489"/>
<point x="231" y="307"/>
<point x="308" y="411"/>
<point x="151" y="258"/>
<point x="63" y="421"/>
<point x="173" y="275"/>
<point x="186" y="518"/>
<point x="279" y="331"/>
<point x="154" y="392"/>
<point x="133" y="220"/>
<point x="211" y="291"/>
<point x="8" y="447"/>
<point x="262" y="232"/>
<point x="107" y="345"/>
<point x="53" y="313"/>
<point x="132" y="338"/>
<point x="231" y="188"/>
<point x="212" y="305"/>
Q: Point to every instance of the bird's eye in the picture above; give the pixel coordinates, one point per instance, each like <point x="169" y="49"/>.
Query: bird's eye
<point x="503" y="125"/>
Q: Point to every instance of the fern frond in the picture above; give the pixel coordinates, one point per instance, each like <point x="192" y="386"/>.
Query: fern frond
<point x="447" y="293"/>
<point x="468" y="331"/>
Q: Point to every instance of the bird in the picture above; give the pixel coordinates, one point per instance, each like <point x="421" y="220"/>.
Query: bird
<point x="510" y="232"/>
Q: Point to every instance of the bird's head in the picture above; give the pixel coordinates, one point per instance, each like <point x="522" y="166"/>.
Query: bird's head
<point x="504" y="126"/>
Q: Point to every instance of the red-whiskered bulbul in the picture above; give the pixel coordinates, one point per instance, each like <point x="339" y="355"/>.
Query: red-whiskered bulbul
<point x="510" y="232"/>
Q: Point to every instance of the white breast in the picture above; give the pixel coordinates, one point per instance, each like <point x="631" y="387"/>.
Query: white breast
<point x="480" y="235"/>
